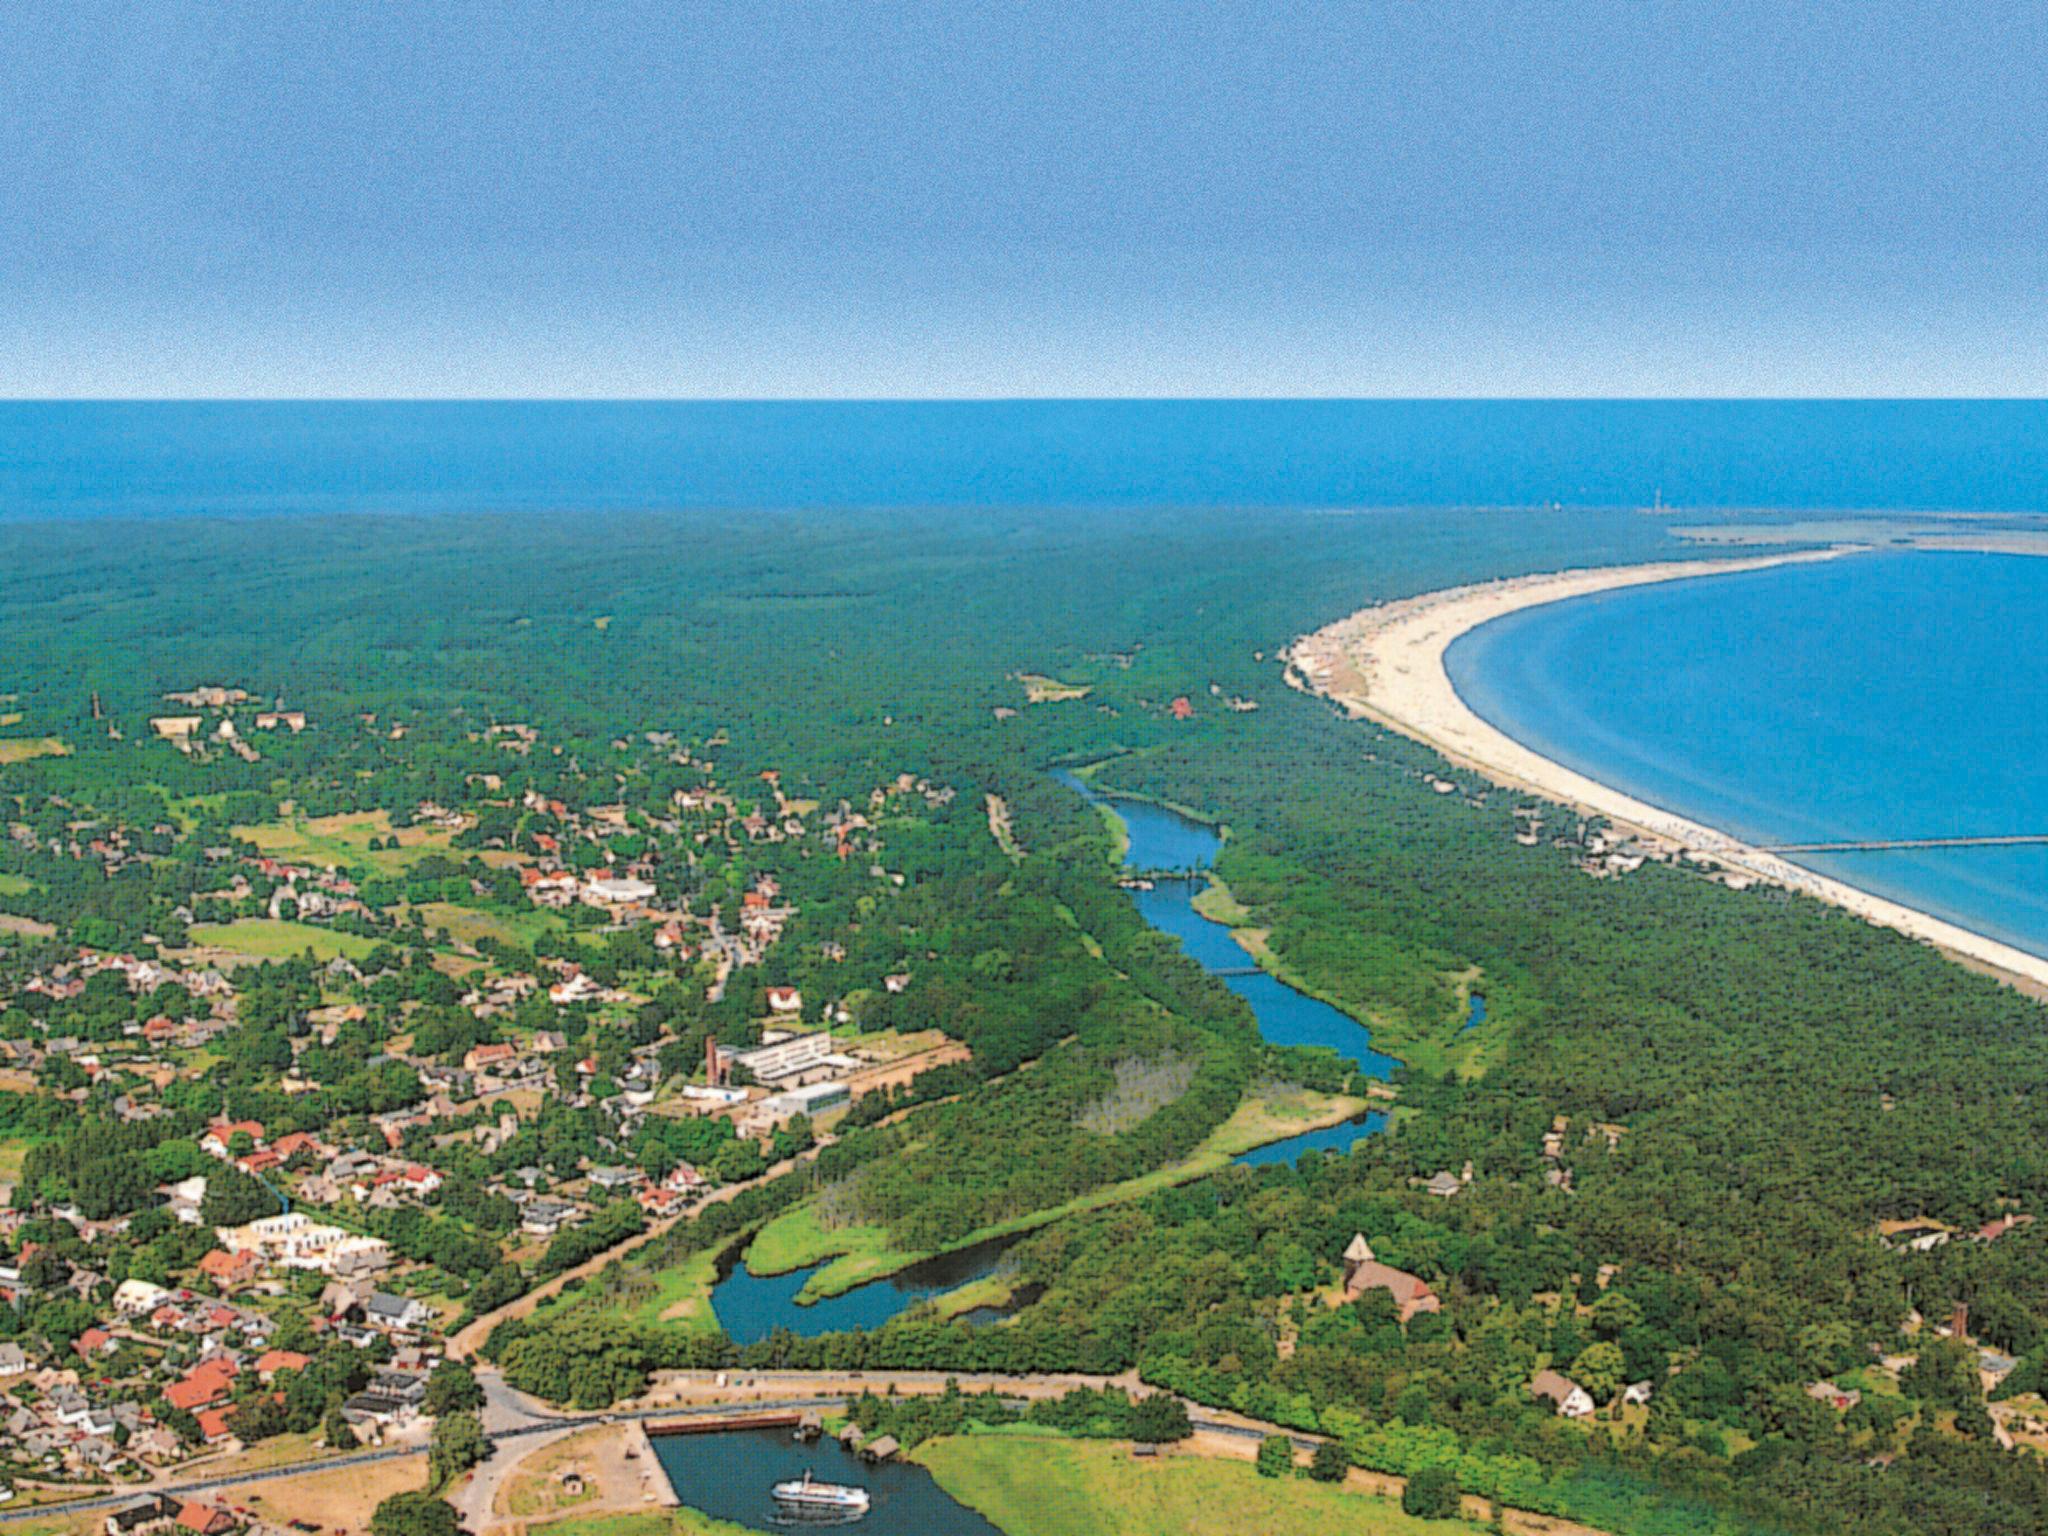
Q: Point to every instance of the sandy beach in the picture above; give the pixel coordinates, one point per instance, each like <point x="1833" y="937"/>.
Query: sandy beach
<point x="1387" y="664"/>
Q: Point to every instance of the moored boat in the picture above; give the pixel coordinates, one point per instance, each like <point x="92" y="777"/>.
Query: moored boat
<point x="807" y="1493"/>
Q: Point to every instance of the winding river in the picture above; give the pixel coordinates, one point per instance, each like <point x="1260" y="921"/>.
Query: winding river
<point x="751" y="1307"/>
<point x="1161" y="838"/>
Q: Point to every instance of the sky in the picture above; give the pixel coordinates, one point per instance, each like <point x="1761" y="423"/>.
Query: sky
<point x="765" y="200"/>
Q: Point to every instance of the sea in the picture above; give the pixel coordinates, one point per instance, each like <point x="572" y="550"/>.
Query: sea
<point x="1892" y="695"/>
<point x="270" y="458"/>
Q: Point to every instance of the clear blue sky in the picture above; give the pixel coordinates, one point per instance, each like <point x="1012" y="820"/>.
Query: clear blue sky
<point x="1022" y="199"/>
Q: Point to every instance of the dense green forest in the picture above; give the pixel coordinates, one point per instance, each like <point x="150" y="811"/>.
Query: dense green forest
<point x="1782" y="1077"/>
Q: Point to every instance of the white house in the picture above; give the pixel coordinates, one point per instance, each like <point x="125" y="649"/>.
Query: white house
<point x="1571" y="1400"/>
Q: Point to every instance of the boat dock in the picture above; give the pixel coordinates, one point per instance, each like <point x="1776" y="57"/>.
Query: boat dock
<point x="717" y="1424"/>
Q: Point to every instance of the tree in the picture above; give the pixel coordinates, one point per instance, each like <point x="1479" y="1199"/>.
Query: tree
<point x="337" y="1432"/>
<point x="1598" y="1370"/>
<point x="1276" y="1456"/>
<point x="1432" y="1494"/>
<point x="458" y="1445"/>
<point x="233" y="1197"/>
<point x="451" y="1389"/>
<point x="414" y="1514"/>
<point x="1160" y="1417"/>
<point x="1329" y="1464"/>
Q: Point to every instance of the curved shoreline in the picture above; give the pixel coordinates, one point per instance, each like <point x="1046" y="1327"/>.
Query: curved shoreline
<point x="1386" y="663"/>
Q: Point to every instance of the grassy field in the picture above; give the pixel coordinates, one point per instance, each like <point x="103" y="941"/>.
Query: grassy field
<point x="1049" y="1486"/>
<point x="12" y="1155"/>
<point x="466" y="926"/>
<point x="534" y="1488"/>
<point x="795" y="1240"/>
<point x="19" y="749"/>
<point x="345" y="840"/>
<point x="341" y="1500"/>
<point x="270" y="939"/>
<point x="14" y="885"/>
<point x="663" y="1522"/>
<point x="679" y="1298"/>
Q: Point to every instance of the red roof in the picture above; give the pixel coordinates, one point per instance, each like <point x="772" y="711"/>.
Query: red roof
<point x="201" y="1385"/>
<point x="222" y="1265"/>
<point x="1182" y="709"/>
<point x="213" y="1425"/>
<point x="92" y="1339"/>
<point x="205" y="1518"/>
<point x="274" y="1360"/>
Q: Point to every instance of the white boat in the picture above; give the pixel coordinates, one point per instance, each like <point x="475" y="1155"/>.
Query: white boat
<point x="810" y="1494"/>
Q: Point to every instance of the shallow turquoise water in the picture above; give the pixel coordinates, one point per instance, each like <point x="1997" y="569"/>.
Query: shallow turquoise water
<point x="1900" y="694"/>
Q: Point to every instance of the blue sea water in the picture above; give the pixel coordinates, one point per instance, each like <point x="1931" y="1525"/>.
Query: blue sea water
<point x="1887" y="695"/>
<point x="165" y="458"/>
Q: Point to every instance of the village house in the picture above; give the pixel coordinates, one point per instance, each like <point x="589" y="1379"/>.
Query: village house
<point x="1363" y="1273"/>
<point x="218" y="1140"/>
<point x="231" y="1271"/>
<point x="1571" y="1400"/>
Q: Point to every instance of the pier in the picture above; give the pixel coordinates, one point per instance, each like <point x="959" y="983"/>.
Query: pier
<point x="719" y="1424"/>
<point x="1897" y="844"/>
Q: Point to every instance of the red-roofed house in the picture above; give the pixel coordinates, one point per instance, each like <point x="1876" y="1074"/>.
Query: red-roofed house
<point x="213" y="1423"/>
<point x="299" y="1141"/>
<point x="231" y="1269"/>
<point x="215" y="1141"/>
<point x="201" y="1386"/>
<point x="95" y="1341"/>
<point x="482" y="1057"/>
<point x="271" y="1361"/>
<point x="205" y="1519"/>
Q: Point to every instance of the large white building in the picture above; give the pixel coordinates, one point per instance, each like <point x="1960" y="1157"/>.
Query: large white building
<point x="785" y="1056"/>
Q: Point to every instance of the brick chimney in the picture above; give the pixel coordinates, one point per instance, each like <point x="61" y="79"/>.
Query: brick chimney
<point x="711" y="1072"/>
<point x="1959" y="1325"/>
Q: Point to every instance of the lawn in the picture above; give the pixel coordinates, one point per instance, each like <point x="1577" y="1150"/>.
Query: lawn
<point x="13" y="1154"/>
<point x="273" y="939"/>
<point x="466" y="925"/>
<point x="664" y="1522"/>
<point x="345" y="840"/>
<point x="15" y="885"/>
<point x="679" y="1296"/>
<point x="795" y="1240"/>
<point x="1050" y="1486"/>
